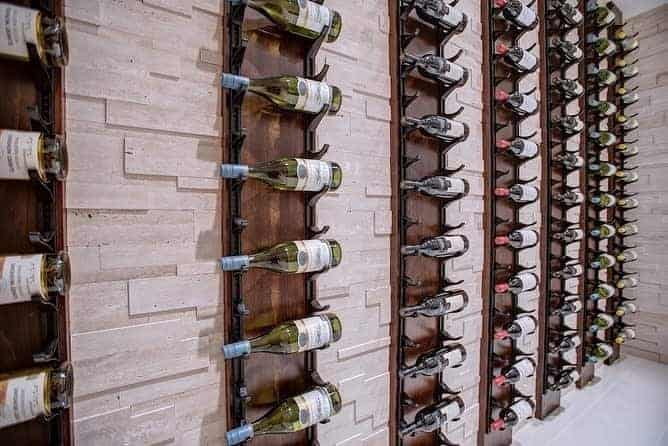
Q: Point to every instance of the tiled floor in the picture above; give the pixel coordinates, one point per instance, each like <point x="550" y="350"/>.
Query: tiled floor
<point x="628" y="407"/>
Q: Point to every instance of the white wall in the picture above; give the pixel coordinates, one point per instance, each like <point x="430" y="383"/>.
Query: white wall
<point x="631" y="8"/>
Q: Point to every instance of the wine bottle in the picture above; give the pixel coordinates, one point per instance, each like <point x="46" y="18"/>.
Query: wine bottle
<point x="35" y="393"/>
<point x="517" y="58"/>
<point x="439" y="69"/>
<point x="519" y="283"/>
<point x="524" y="325"/>
<point x="627" y="203"/>
<point x="625" y="42"/>
<point x="41" y="276"/>
<point x="562" y="343"/>
<point x="626" y="124"/>
<point x="602" y="291"/>
<point x="602" y="321"/>
<point x="603" y="200"/>
<point x="290" y="93"/>
<point x="437" y="127"/>
<point x="438" y="186"/>
<point x="571" y="305"/>
<point x="298" y="336"/>
<point x="600" y="16"/>
<point x="443" y="246"/>
<point x="434" y="417"/>
<point x="602" y="46"/>
<point x="566" y="50"/>
<point x="624" y="334"/>
<point x="518" y="103"/>
<point x="514" y="373"/>
<point x="627" y="177"/>
<point x="292" y="415"/>
<point x="440" y="13"/>
<point x="603" y="231"/>
<point x="518" y="147"/>
<point x="570" y="160"/>
<point x="569" y="235"/>
<point x="629" y="72"/>
<point x="293" y="174"/>
<point x="626" y="150"/>
<point x="626" y="256"/>
<point x="519" y="239"/>
<point x="625" y="308"/>
<point x="601" y="76"/>
<point x="511" y="416"/>
<point x="301" y="17"/>
<point x="569" y="125"/>
<point x="603" y="261"/>
<point x="568" y="14"/>
<point x="23" y="152"/>
<point x="516" y="13"/>
<point x="627" y="97"/>
<point x="602" y="169"/>
<point x="434" y="362"/>
<point x="628" y="229"/>
<point x="569" y="272"/>
<point x="21" y="27"/>
<point x="438" y="305"/>
<point x="627" y="282"/>
<point x="568" y="88"/>
<point x="519" y="193"/>
<point x="601" y="108"/>
<point x="561" y="379"/>
<point x="598" y="352"/>
<point x="291" y="257"/>
<point x="570" y="198"/>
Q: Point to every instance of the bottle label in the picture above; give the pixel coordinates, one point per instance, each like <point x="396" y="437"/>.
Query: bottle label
<point x="314" y="406"/>
<point x="525" y="368"/>
<point x="19" y="27"/>
<point x="527" y="238"/>
<point x="19" y="154"/>
<point x="527" y="281"/>
<point x="456" y="186"/>
<point x="312" y="16"/>
<point x="570" y="356"/>
<point x="527" y="325"/>
<point x="455" y="302"/>
<point x="313" y="95"/>
<point x="313" y="255"/>
<point x="452" y="410"/>
<point x="455" y="357"/>
<point x="529" y="149"/>
<point x="529" y="104"/>
<point x="314" y="332"/>
<point x="20" y="278"/>
<point x="523" y="409"/>
<point x="313" y="175"/>
<point x="527" y="193"/>
<point x="22" y="399"/>
<point x="528" y="60"/>
<point x="526" y="17"/>
<point x="457" y="245"/>
<point x="452" y="72"/>
<point x="456" y="129"/>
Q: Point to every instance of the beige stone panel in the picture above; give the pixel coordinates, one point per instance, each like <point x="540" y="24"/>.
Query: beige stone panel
<point x="173" y="293"/>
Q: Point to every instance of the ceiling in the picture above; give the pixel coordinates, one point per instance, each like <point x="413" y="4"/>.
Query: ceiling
<point x="632" y="8"/>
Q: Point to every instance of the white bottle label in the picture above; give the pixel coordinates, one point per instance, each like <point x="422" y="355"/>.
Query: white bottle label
<point x="527" y="325"/>
<point x="313" y="175"/>
<point x="523" y="409"/>
<point x="19" y="27"/>
<point x="528" y="60"/>
<point x="312" y="16"/>
<point x="457" y="186"/>
<point x="527" y="193"/>
<point x="313" y="255"/>
<point x="314" y="406"/>
<point x="453" y="72"/>
<point x="456" y="302"/>
<point x="314" y="332"/>
<point x="19" y="153"/>
<point x="525" y="368"/>
<point x="22" y="399"/>
<point x="528" y="238"/>
<point x="529" y="104"/>
<point x="457" y="129"/>
<point x="20" y="278"/>
<point x="455" y="357"/>
<point x="457" y="244"/>
<point x="570" y="356"/>
<point x="452" y="410"/>
<point x="313" y="95"/>
<point x="528" y="282"/>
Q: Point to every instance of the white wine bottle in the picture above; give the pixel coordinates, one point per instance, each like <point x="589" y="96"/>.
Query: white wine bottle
<point x="434" y="417"/>
<point x="438" y="305"/>
<point x="434" y="362"/>
<point x="304" y="256"/>
<point x="570" y="160"/>
<point x="602" y="291"/>
<point x="601" y="16"/>
<point x="568" y="88"/>
<point x="627" y="177"/>
<point x="603" y="261"/>
<point x="625" y="42"/>
<point x="518" y="103"/>
<point x="21" y="27"/>
<point x="602" y="169"/>
<point x="517" y="58"/>
<point x="569" y="235"/>
<point x="627" y="97"/>
<point x="301" y="17"/>
<point x="624" y="334"/>
<point x="519" y="193"/>
<point x="37" y="276"/>
<point x="603" y="200"/>
<point x="514" y="373"/>
<point x="524" y="325"/>
<point x="570" y="198"/>
<point x="627" y="203"/>
<point x="628" y="72"/>
<point x="437" y="127"/>
<point x="298" y="336"/>
<point x="626" y="150"/>
<point x="439" y="69"/>
<point x="292" y="415"/>
<point x="601" y="108"/>
<point x="628" y="229"/>
<point x="568" y="13"/>
<point x="443" y="246"/>
<point x="519" y="239"/>
<point x="602" y="77"/>
<point x="438" y="186"/>
<point x="290" y="93"/>
<point x="35" y="393"/>
<point x="519" y="147"/>
<point x="569" y="125"/>
<point x="626" y="124"/>
<point x="519" y="283"/>
<point x="24" y="152"/>
<point x="626" y="256"/>
<point x="566" y="50"/>
<point x="627" y="282"/>
<point x="625" y="308"/>
<point x="598" y="352"/>
<point x="512" y="415"/>
<point x="294" y="174"/>
<point x="440" y="13"/>
<point x="516" y="13"/>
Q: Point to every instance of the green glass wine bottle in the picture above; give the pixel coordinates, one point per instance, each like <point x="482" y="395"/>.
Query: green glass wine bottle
<point x="602" y="139"/>
<point x="601" y="76"/>
<point x="601" y="108"/>
<point x="303" y="256"/>
<point x="290" y="93"/>
<point x="295" y="174"/>
<point x="601" y="16"/>
<point x="292" y="415"/>
<point x="301" y="17"/>
<point x="297" y="336"/>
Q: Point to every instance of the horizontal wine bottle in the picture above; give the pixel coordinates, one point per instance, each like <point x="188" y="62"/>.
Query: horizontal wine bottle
<point x="24" y="152"/>
<point x="561" y="343"/>
<point x="603" y="261"/>
<point x="519" y="239"/>
<point x="626" y="256"/>
<point x="512" y="415"/>
<point x="626" y="124"/>
<point x="601" y="16"/>
<point x="568" y="88"/>
<point x="516" y="13"/>
<point x="438" y="305"/>
<point x="519" y="193"/>
<point x="601" y="108"/>
<point x="295" y="174"/>
<point x="517" y="58"/>
<point x="569" y="125"/>
<point x="598" y="352"/>
<point x="518" y="283"/>
<point x="434" y="417"/>
<point x="603" y="231"/>
<point x="627" y="97"/>
<point x="570" y="198"/>
<point x="443" y="246"/>
<point x="440" y="13"/>
<point x="602" y="291"/>
<point x="437" y="127"/>
<point x="603" y="200"/>
<point x="566" y="12"/>
<point x="627" y="177"/>
<point x="627" y="203"/>
<point x="297" y="336"/>
<point x="627" y="282"/>
<point x="623" y="334"/>
<point x="438" y="186"/>
<point x="570" y="235"/>
<point x="570" y="160"/>
<point x="519" y="147"/>
<point x="514" y="373"/>
<point x="602" y="169"/>
<point x="625" y="308"/>
<point x="626" y="42"/>
<point x="304" y="256"/>
<point x="37" y="276"/>
<point x="292" y="415"/>
<point x="518" y="103"/>
<point x="628" y="229"/>
<point x="524" y="325"/>
<point x="569" y="271"/>
<point x="290" y="93"/>
<point x="567" y="51"/>
<point x="629" y="72"/>
<point x="601" y="76"/>
<point x="21" y="27"/>
<point x="301" y="17"/>
<point x="434" y="362"/>
<point x="602" y="46"/>
<point x="626" y="150"/>
<point x="439" y="69"/>
<point x="30" y="394"/>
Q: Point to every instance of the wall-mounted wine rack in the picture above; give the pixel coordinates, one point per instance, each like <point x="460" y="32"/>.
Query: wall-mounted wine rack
<point x="255" y="384"/>
<point x="34" y="335"/>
